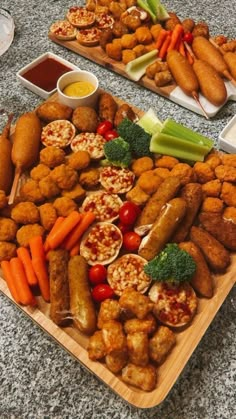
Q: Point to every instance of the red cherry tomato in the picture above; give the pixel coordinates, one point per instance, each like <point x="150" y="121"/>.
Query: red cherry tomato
<point x="101" y="292"/>
<point x="97" y="274"/>
<point x="124" y="228"/>
<point x="188" y="37"/>
<point x="131" y="241"/>
<point x="110" y="135"/>
<point x="128" y="213"/>
<point x="103" y="127"/>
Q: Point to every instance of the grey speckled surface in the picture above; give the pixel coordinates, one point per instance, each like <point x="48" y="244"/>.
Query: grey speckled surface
<point x="38" y="379"/>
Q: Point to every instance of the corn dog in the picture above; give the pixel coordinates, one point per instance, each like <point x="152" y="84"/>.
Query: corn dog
<point x="6" y="166"/>
<point x="230" y="59"/>
<point x="183" y="73"/>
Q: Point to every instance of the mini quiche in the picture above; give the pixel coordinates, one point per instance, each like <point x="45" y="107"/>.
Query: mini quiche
<point x="80" y="17"/>
<point x="58" y="133"/>
<point x="175" y="304"/>
<point x="103" y="204"/>
<point x="89" y="37"/>
<point x="101" y="243"/>
<point x="116" y="180"/>
<point x="90" y="142"/>
<point x="63" y="30"/>
<point x="104" y="20"/>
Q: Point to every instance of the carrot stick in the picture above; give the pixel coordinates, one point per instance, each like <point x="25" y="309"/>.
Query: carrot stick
<point x="175" y="36"/>
<point x="75" y="250"/>
<point x="8" y="276"/>
<point x="40" y="266"/>
<point x="182" y="48"/>
<point x="164" y="47"/>
<point x="189" y="57"/>
<point x="24" y="255"/>
<point x="56" y="238"/>
<point x="52" y="231"/>
<point x="73" y="238"/>
<point x="161" y="38"/>
<point x="22" y="286"/>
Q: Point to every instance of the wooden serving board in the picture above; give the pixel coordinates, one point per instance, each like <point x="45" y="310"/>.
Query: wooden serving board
<point x="172" y="91"/>
<point x="187" y="338"/>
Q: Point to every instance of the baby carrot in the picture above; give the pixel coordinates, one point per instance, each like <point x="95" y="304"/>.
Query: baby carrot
<point x="56" y="238"/>
<point x="175" y="36"/>
<point x="58" y="221"/>
<point x="161" y="38"/>
<point x="40" y="266"/>
<point x="22" y="286"/>
<point x="86" y="220"/>
<point x="8" y="276"/>
<point x="24" y="255"/>
<point x="164" y="47"/>
<point x="182" y="49"/>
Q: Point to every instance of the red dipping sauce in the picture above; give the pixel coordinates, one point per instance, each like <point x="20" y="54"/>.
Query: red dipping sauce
<point x="46" y="73"/>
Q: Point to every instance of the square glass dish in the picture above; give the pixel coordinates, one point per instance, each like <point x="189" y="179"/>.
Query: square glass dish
<point x="41" y="75"/>
<point x="227" y="137"/>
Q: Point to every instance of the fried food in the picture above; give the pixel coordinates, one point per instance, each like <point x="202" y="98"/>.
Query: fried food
<point x="119" y="29"/>
<point x="167" y="162"/>
<point x="155" y="30"/>
<point x="140" y="50"/>
<point x="116" y="360"/>
<point x="143" y="35"/>
<point x="225" y="173"/>
<point x="109" y="310"/>
<point x="3" y="199"/>
<point x="202" y="281"/>
<point x="25" y="213"/>
<point x="147" y="325"/>
<point x="77" y="193"/>
<point x="137" y="344"/>
<point x="85" y="119"/>
<point x="217" y="257"/>
<point x="141" y="165"/>
<point x="138" y="304"/>
<point x="212" y="188"/>
<point x="107" y="107"/>
<point x="137" y="196"/>
<point x="6" y="165"/>
<point x="39" y="172"/>
<point x="96" y="346"/>
<point x="213" y="159"/>
<point x="48" y="187"/>
<point x="182" y="72"/>
<point x="228" y="159"/>
<point x="106" y="37"/>
<point x="59" y="287"/>
<point x="161" y="344"/>
<point x="230" y="214"/>
<point x="201" y="29"/>
<point x="116" y="9"/>
<point x="188" y="25"/>
<point x="79" y="160"/>
<point x="113" y="336"/>
<point x="203" y="172"/>
<point x="48" y="215"/>
<point x="223" y="230"/>
<point x="124" y="111"/>
<point x="128" y="55"/>
<point x="26" y="232"/>
<point x="131" y="22"/>
<point x="228" y="194"/>
<point x="64" y="176"/>
<point x="114" y="50"/>
<point x="89" y="178"/>
<point x="52" y="156"/>
<point x="144" y="378"/>
<point x="163" y="78"/>
<point x="184" y="171"/>
<point x="51" y="111"/>
<point x="172" y="21"/>
<point x="8" y="229"/>
<point x="30" y="191"/>
<point x="64" y="206"/>
<point x="128" y="41"/>
<point x="7" y="250"/>
<point x="149" y="182"/>
<point x="212" y="204"/>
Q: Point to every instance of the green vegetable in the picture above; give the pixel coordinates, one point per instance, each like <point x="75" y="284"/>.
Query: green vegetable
<point x="117" y="153"/>
<point x="145" y="6"/>
<point x="154" y="7"/>
<point x="137" y="68"/>
<point x="136" y="136"/>
<point x="150" y="122"/>
<point x="172" y="264"/>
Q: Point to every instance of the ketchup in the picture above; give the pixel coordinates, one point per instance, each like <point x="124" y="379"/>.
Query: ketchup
<point x="46" y="73"/>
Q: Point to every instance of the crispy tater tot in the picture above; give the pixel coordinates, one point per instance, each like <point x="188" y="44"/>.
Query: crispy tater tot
<point x="184" y="171"/>
<point x="52" y="156"/>
<point x="228" y="194"/>
<point x="116" y="360"/>
<point x="211" y="204"/>
<point x="137" y="343"/>
<point x="114" y="51"/>
<point x="109" y="310"/>
<point x="96" y="346"/>
<point x="147" y="325"/>
<point x="113" y="336"/>
<point x="141" y="377"/>
<point x="212" y="188"/>
<point x="64" y="206"/>
<point x="166" y="161"/>
<point x="39" y="171"/>
<point x="79" y="160"/>
<point x="25" y="213"/>
<point x="7" y="250"/>
<point x="161" y="344"/>
<point x="142" y="164"/>
<point x="149" y="181"/>
<point x="140" y="305"/>
<point x="48" y="215"/>
<point x="8" y="229"/>
<point x="128" y="41"/>
<point x="26" y="232"/>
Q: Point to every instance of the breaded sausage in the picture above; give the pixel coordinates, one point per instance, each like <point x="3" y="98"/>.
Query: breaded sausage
<point x="192" y="194"/>
<point x="81" y="304"/>
<point x="6" y="166"/>
<point x="202" y="281"/>
<point x="59" y="286"/>
<point x="170" y="216"/>
<point x="166" y="191"/>
<point x="230" y="59"/>
<point x="217" y="257"/>
<point x="107" y="107"/>
<point x="222" y="229"/>
<point x="211" y="84"/>
<point x="183" y="73"/>
<point x="51" y="111"/>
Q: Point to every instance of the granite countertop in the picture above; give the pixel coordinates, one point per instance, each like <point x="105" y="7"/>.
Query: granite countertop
<point x="38" y="379"/>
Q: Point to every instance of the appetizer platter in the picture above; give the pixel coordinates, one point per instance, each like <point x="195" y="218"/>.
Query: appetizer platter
<point x="133" y="43"/>
<point x="63" y="190"/>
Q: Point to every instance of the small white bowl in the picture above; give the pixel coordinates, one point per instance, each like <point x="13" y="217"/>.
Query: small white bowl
<point x="75" y="101"/>
<point x="227" y="137"/>
<point x="21" y="74"/>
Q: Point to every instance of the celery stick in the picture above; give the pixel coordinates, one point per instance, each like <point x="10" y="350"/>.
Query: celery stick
<point x="137" y="68"/>
<point x="145" y="6"/>
<point x="150" y="122"/>
<point x="158" y="9"/>
<point x="171" y="127"/>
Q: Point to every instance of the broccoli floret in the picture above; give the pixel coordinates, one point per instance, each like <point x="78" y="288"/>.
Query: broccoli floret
<point x="172" y="264"/>
<point x="117" y="153"/>
<point x="136" y="136"/>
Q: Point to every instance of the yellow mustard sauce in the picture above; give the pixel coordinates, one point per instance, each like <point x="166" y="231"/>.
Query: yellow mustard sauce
<point x="79" y="89"/>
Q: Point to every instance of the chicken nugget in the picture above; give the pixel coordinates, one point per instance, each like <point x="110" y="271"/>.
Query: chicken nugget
<point x="30" y="191"/>
<point x="48" y="215"/>
<point x="128" y="41"/>
<point x="156" y="67"/>
<point x="188" y="25"/>
<point x="51" y="111"/>
<point x="226" y="173"/>
<point x="163" y="78"/>
<point x="138" y="304"/>
<point x="107" y="107"/>
<point x="161" y="344"/>
<point x="141" y="165"/>
<point x="184" y="171"/>
<point x="140" y="50"/>
<point x="116" y="360"/>
<point x="114" y="51"/>
<point x="64" y="206"/>
<point x="228" y="194"/>
<point x="79" y="160"/>
<point x="229" y="159"/>
<point x="116" y="9"/>
<point x="3" y="199"/>
<point x="137" y="344"/>
<point x="48" y="188"/>
<point x="8" y="229"/>
<point x="143" y="35"/>
<point x="137" y="196"/>
<point x="119" y="29"/>
<point x="52" y="156"/>
<point x="89" y="178"/>
<point x="132" y="22"/>
<point x="85" y="119"/>
<point x="211" y="204"/>
<point x="109" y="310"/>
<point x="7" y="250"/>
<point x="128" y="55"/>
<point x="124" y="111"/>
<point x="212" y="188"/>
<point x="113" y="336"/>
<point x="155" y="30"/>
<point x="39" y="171"/>
<point x="76" y="193"/>
<point x="230" y="214"/>
<point x="64" y="176"/>
<point x="27" y="232"/>
<point x="25" y="213"/>
<point x="223" y="230"/>
<point x="213" y="159"/>
<point x="147" y="325"/>
<point x="144" y="378"/>
<point x="163" y="172"/>
<point x="96" y="346"/>
<point x="149" y="181"/>
<point x="166" y="161"/>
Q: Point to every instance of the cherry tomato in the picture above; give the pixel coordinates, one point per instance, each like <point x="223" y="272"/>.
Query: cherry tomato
<point x="188" y="37"/>
<point x="124" y="228"/>
<point x="110" y="135"/>
<point x="101" y="292"/>
<point x="128" y="213"/>
<point x="131" y="241"/>
<point x="103" y="127"/>
<point x="97" y="274"/>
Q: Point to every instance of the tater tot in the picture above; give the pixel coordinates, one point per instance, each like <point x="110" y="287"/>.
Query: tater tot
<point x="142" y="164"/>
<point x="184" y="171"/>
<point x="212" y="188"/>
<point x="39" y="171"/>
<point x="211" y="204"/>
<point x="166" y="161"/>
<point x="114" y="51"/>
<point x="64" y="206"/>
<point x="25" y="213"/>
<point x="79" y="160"/>
<point x="48" y="215"/>
<point x="26" y="232"/>
<point x="128" y="41"/>
<point x="149" y="181"/>
<point x="161" y="344"/>
<point x="52" y="156"/>
<point x="143" y="35"/>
